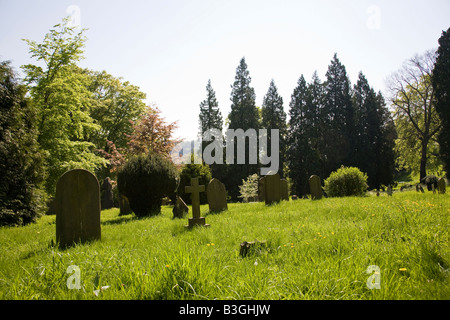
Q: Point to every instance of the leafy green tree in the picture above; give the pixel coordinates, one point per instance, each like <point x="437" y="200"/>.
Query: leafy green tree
<point x="274" y="117"/>
<point x="416" y="119"/>
<point x="21" y="169"/>
<point x="59" y="91"/>
<point x="243" y="115"/>
<point x="116" y="105"/>
<point x="441" y="85"/>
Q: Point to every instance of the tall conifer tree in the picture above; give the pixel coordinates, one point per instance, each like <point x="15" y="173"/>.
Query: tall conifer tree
<point x="274" y="117"/>
<point x="441" y="84"/>
<point x="339" y="131"/>
<point x="243" y="115"/>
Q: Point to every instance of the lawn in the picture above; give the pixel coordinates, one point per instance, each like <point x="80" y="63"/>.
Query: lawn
<point x="313" y="250"/>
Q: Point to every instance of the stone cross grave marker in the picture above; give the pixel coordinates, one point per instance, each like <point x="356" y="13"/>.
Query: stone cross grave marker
<point x="77" y="206"/>
<point x="194" y="189"/>
<point x="284" y="190"/>
<point x="441" y="186"/>
<point x="217" y="196"/>
<point x="272" y="188"/>
<point x="315" y="187"/>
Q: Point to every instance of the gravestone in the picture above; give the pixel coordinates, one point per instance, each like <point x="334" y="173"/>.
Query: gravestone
<point x="194" y="189"/>
<point x="216" y="195"/>
<point x="262" y="189"/>
<point x="315" y="187"/>
<point x="107" y="194"/>
<point x="180" y="208"/>
<point x="124" y="205"/>
<point x="284" y="190"/>
<point x="272" y="188"/>
<point x="389" y="190"/>
<point x="77" y="206"/>
<point x="441" y="186"/>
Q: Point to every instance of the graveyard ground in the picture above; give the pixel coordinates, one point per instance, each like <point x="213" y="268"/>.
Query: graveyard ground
<point x="314" y="250"/>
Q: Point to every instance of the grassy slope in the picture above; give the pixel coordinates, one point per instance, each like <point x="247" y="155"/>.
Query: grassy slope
<point x="315" y="250"/>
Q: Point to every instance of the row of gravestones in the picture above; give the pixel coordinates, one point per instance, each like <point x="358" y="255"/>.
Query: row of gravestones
<point x="77" y="205"/>
<point x="77" y="202"/>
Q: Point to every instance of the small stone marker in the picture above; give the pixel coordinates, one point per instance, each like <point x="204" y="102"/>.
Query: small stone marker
<point x="194" y="189"/>
<point x="315" y="187"/>
<point x="248" y="248"/>
<point x="180" y="208"/>
<point x="217" y="196"/>
<point x="107" y="194"/>
<point x="124" y="205"/>
<point x="272" y="188"/>
<point x="441" y="186"/>
<point x="77" y="206"/>
<point x="389" y="190"/>
<point x="284" y="190"/>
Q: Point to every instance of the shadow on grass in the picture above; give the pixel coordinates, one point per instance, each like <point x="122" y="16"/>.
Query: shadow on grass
<point x="121" y="219"/>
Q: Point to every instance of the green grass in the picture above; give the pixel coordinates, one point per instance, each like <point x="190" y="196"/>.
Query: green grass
<point x="315" y="250"/>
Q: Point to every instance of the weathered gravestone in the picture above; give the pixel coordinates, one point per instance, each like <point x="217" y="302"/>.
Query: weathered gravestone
<point x="107" y="201"/>
<point x="217" y="196"/>
<point x="124" y="205"/>
<point x="389" y="190"/>
<point x="180" y="208"/>
<point x="195" y="190"/>
<point x="77" y="206"/>
<point x="284" y="190"/>
<point x="272" y="188"/>
<point x="315" y="187"/>
<point x="262" y="189"/>
<point x="441" y="186"/>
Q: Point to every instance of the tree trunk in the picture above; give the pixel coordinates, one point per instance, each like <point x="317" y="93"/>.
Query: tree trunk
<point x="423" y="159"/>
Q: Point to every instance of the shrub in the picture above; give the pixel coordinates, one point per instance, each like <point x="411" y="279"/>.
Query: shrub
<point x="145" y="179"/>
<point x="202" y="172"/>
<point x="346" y="181"/>
<point x="249" y="188"/>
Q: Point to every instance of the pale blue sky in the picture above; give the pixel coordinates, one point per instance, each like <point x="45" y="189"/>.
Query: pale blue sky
<point x="171" y="48"/>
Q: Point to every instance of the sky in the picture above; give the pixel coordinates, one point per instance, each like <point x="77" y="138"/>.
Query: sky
<point x="171" y="48"/>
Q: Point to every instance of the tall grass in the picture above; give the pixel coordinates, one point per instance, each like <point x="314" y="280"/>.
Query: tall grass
<point x="314" y="250"/>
